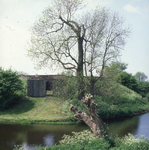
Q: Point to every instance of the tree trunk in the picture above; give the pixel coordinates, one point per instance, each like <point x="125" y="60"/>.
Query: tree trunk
<point x="92" y="84"/>
<point x="93" y="121"/>
<point x="80" y="69"/>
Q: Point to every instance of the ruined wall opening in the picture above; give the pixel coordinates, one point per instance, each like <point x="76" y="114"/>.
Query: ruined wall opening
<point x="49" y="88"/>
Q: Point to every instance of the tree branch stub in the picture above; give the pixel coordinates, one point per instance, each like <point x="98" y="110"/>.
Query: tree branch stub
<point x="93" y="121"/>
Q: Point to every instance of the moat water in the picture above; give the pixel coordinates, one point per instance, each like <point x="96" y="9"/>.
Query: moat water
<point x="31" y="136"/>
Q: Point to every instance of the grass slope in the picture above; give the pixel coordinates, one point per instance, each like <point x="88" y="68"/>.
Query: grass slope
<point x="50" y="109"/>
<point x="34" y="110"/>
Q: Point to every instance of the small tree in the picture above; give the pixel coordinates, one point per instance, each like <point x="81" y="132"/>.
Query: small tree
<point x="10" y="88"/>
<point x="140" y="76"/>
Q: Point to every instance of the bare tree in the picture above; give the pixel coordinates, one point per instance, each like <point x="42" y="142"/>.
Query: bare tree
<point x="84" y="43"/>
<point x="106" y="39"/>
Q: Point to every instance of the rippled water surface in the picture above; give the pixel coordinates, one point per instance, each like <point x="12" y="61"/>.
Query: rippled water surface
<point x="47" y="135"/>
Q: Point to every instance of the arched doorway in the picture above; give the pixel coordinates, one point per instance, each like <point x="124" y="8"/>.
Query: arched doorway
<point x="49" y="88"/>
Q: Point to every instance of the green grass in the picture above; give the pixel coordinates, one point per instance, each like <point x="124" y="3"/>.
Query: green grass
<point x="55" y="110"/>
<point x="123" y="102"/>
<point x="47" y="110"/>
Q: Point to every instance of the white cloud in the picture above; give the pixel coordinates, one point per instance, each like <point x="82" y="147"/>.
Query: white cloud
<point x="130" y="8"/>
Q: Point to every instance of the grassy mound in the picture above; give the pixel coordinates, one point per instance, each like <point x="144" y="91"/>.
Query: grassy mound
<point x="54" y="110"/>
<point x="119" y="102"/>
<point x="36" y="110"/>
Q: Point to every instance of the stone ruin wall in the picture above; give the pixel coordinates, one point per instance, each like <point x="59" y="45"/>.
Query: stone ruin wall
<point x="36" y="84"/>
<point x="36" y="88"/>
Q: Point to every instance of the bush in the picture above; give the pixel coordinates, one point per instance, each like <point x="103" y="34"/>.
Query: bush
<point x="128" y="80"/>
<point x="130" y="142"/>
<point x="11" y="88"/>
<point x="147" y="96"/>
<point x="143" y="88"/>
<point x="84" y="140"/>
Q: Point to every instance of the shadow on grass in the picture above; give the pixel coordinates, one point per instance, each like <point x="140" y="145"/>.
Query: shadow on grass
<point x="21" y="106"/>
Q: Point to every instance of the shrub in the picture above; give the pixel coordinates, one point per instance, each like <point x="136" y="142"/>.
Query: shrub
<point x="128" y="80"/>
<point x="11" y="88"/>
<point x="147" y="96"/>
<point x="143" y="87"/>
<point x="130" y="142"/>
<point x="84" y="140"/>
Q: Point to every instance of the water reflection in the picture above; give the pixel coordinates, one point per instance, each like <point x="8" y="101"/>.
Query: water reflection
<point x="48" y="140"/>
<point x="31" y="136"/>
<point x="143" y="128"/>
<point x="123" y="126"/>
<point x="137" y="125"/>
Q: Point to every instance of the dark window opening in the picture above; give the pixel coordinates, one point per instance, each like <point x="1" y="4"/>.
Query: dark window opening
<point x="49" y="88"/>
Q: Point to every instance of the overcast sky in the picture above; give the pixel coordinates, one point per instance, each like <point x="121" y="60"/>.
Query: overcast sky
<point x="17" y="16"/>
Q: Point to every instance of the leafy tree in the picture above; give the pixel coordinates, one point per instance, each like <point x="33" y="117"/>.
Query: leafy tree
<point x="143" y="88"/>
<point x="140" y="76"/>
<point x="11" y="88"/>
<point x="83" y="43"/>
<point x="128" y="80"/>
<point x="118" y="66"/>
<point x="143" y="85"/>
<point x="108" y="83"/>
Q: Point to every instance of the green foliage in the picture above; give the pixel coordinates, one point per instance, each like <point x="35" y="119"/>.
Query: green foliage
<point x="75" y="102"/>
<point x="76" y="137"/>
<point x="120" y="101"/>
<point x="130" y="142"/>
<point x="85" y="140"/>
<point x="11" y="88"/>
<point x="118" y="66"/>
<point x="140" y="76"/>
<point x="113" y="99"/>
<point x="143" y="88"/>
<point x="66" y="87"/>
<point x="108" y="107"/>
<point x="128" y="80"/>
<point x="147" y="96"/>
